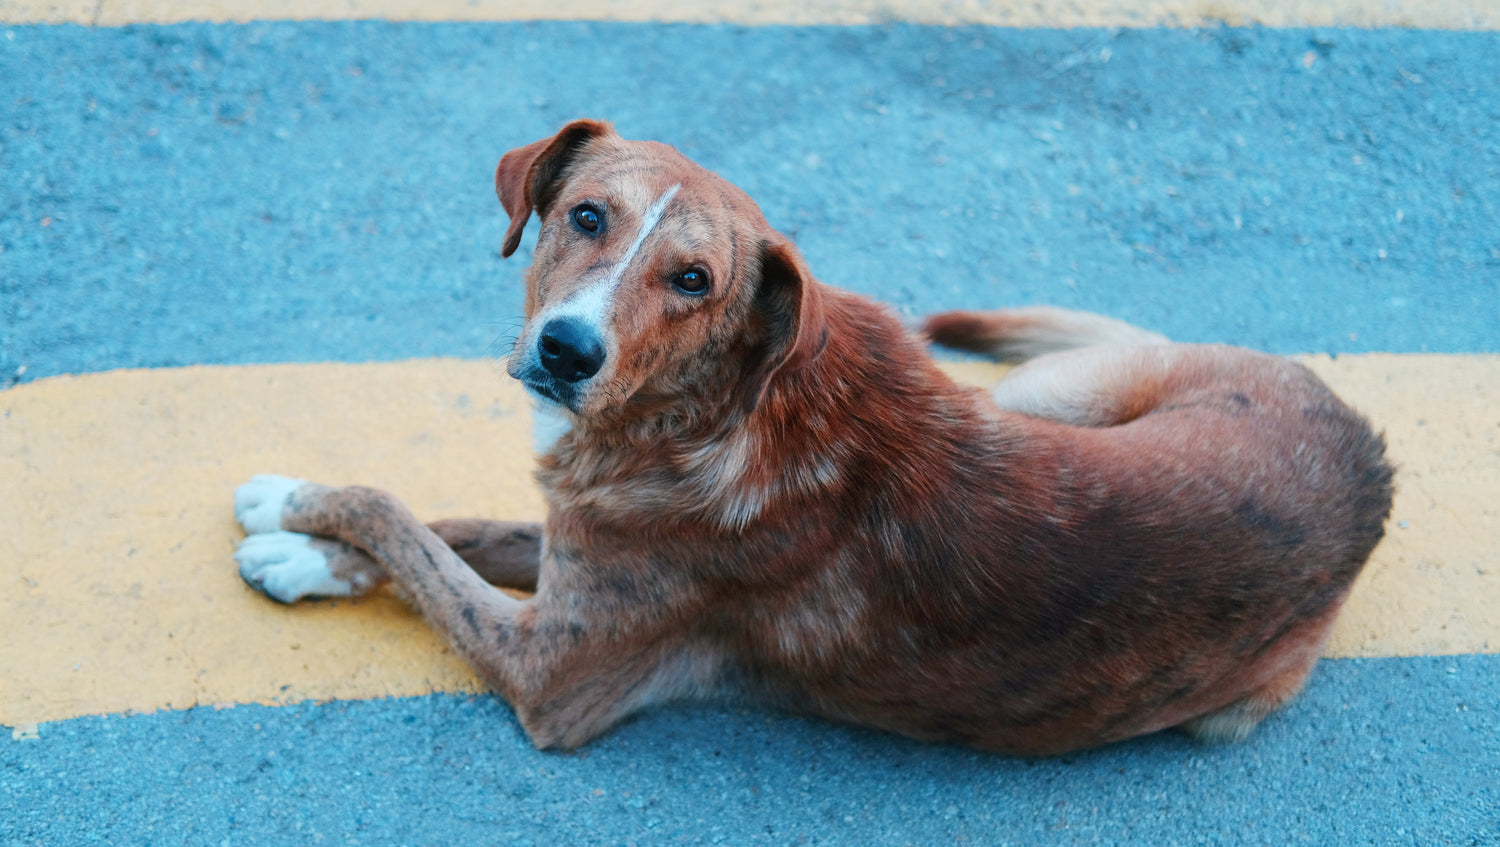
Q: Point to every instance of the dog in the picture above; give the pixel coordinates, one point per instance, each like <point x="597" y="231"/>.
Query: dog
<point x="762" y="487"/>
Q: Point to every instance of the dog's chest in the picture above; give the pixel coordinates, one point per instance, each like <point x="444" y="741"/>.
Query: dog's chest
<point x="548" y="424"/>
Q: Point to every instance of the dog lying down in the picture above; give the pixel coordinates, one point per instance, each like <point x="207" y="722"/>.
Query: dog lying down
<point x="762" y="488"/>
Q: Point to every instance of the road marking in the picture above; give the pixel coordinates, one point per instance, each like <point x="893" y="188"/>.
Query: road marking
<point x="1424" y="14"/>
<point x="117" y="529"/>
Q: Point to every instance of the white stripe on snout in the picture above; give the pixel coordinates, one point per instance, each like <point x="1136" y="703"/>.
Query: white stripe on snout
<point x="592" y="304"/>
<point x="648" y="223"/>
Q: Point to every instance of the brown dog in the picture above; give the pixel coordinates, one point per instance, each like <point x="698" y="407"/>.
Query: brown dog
<point x="762" y="487"/>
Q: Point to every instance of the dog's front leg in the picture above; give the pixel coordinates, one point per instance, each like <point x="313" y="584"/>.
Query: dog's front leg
<point x="479" y="619"/>
<point x="291" y="566"/>
<point x="568" y="669"/>
<point x="504" y="553"/>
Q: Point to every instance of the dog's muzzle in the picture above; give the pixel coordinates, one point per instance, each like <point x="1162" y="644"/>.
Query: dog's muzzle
<point x="570" y="350"/>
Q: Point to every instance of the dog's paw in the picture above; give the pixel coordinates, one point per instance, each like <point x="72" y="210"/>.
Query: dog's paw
<point x="289" y="566"/>
<point x="257" y="503"/>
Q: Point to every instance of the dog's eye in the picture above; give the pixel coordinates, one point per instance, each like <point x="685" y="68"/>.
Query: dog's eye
<point x="692" y="281"/>
<point x="586" y="217"/>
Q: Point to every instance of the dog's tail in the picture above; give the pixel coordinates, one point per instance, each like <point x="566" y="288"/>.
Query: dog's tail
<point x="1015" y="335"/>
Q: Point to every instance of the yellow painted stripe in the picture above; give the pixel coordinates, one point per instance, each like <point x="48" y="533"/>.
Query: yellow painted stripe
<point x="116" y="528"/>
<point x="1427" y="14"/>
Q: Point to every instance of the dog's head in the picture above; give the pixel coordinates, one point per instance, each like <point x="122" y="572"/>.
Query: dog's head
<point x="651" y="276"/>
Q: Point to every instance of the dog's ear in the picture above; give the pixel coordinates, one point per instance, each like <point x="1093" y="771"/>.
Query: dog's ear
<point x="526" y="176"/>
<point x="790" y="304"/>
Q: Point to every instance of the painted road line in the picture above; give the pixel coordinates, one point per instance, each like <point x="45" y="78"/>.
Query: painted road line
<point x="116" y="529"/>
<point x="1430" y="14"/>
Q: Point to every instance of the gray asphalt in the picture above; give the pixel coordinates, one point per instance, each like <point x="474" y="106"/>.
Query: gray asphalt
<point x="294" y="192"/>
<point x="303" y="192"/>
<point x="1376" y="752"/>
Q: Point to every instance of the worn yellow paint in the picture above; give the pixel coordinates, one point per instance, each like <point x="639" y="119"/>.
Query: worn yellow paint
<point x="1433" y="585"/>
<point x="116" y="528"/>
<point x="1431" y="14"/>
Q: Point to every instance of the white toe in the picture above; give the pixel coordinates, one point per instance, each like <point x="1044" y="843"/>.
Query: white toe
<point x="284" y="566"/>
<point x="257" y="503"/>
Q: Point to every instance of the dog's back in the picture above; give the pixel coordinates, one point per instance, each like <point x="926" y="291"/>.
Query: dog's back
<point x="902" y="553"/>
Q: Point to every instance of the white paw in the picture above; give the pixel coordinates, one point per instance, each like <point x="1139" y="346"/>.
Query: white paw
<point x="285" y="567"/>
<point x="257" y="503"/>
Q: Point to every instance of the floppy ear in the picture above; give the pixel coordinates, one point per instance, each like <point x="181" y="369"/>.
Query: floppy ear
<point x="526" y="176"/>
<point x="790" y="303"/>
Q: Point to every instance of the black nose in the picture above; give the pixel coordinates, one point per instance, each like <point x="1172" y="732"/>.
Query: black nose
<point x="571" y="351"/>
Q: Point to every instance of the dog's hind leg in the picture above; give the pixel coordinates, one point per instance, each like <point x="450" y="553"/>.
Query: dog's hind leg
<point x="1079" y="368"/>
<point x="1290" y="660"/>
<point x="1235" y="721"/>
<point x="1093" y="386"/>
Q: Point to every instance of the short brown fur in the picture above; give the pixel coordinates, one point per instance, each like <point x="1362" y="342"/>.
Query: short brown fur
<point x="769" y="491"/>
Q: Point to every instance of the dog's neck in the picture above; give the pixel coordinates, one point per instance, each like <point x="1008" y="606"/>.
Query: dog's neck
<point x="701" y="452"/>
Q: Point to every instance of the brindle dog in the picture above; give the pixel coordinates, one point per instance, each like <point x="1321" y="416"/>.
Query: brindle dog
<point x="762" y="487"/>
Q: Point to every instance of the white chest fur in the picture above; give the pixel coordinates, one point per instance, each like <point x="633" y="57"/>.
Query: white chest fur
<point x="549" y="422"/>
